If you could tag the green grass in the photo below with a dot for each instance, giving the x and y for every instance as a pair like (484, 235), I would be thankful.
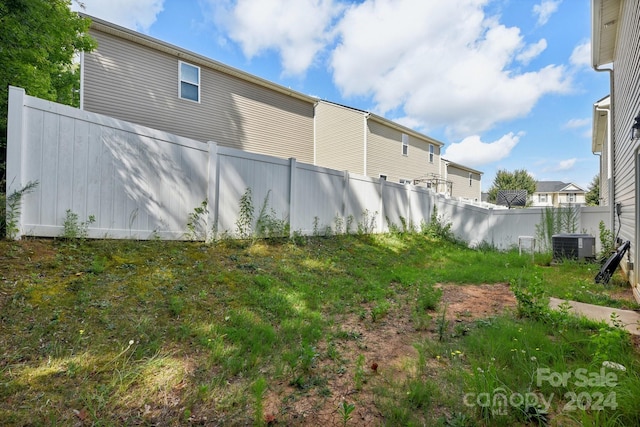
(124, 332)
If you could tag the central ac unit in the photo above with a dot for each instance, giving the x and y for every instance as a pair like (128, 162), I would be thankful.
(573, 246)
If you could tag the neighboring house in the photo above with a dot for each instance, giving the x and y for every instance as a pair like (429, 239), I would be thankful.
(557, 194)
(134, 77)
(601, 145)
(364, 143)
(143, 80)
(466, 183)
(615, 48)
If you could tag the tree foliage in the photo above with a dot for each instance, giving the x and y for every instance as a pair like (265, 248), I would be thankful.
(593, 193)
(519, 179)
(38, 42)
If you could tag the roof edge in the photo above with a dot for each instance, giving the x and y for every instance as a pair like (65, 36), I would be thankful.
(184, 54)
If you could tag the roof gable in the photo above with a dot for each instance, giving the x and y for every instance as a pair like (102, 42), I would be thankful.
(557, 187)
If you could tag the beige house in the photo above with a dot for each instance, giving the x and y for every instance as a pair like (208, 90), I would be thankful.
(367, 144)
(465, 182)
(143, 80)
(557, 194)
(615, 47)
(133, 77)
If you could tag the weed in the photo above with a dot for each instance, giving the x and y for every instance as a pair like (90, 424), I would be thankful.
(607, 241)
(531, 297)
(442, 324)
(9, 226)
(197, 223)
(438, 227)
(379, 310)
(244, 223)
(345, 409)
(367, 224)
(428, 297)
(73, 229)
(358, 376)
(258, 388)
(267, 223)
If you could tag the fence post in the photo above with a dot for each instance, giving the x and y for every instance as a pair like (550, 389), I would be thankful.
(213, 188)
(381, 226)
(293, 165)
(15, 140)
(346, 180)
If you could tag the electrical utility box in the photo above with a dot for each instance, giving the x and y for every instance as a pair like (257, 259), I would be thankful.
(573, 246)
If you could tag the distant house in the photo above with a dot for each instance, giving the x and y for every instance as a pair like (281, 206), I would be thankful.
(557, 194)
(466, 183)
(134, 77)
(615, 47)
(367, 144)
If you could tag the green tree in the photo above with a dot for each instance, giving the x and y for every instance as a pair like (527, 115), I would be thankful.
(38, 42)
(519, 179)
(593, 194)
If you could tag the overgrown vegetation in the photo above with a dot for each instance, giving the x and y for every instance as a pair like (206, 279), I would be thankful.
(556, 220)
(122, 332)
(10, 209)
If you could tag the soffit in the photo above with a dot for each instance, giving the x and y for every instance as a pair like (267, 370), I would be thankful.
(605, 16)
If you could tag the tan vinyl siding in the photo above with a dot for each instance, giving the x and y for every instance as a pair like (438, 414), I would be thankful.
(340, 137)
(626, 105)
(460, 179)
(384, 154)
(137, 83)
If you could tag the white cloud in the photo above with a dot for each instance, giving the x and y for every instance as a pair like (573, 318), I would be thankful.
(471, 151)
(577, 123)
(444, 64)
(581, 55)
(297, 30)
(562, 165)
(545, 9)
(137, 15)
(532, 51)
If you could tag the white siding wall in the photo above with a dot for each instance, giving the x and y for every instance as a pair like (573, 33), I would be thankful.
(626, 106)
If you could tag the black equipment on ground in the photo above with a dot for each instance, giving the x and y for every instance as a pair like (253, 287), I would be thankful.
(610, 265)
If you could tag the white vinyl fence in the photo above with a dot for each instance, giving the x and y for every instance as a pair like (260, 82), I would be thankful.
(142, 183)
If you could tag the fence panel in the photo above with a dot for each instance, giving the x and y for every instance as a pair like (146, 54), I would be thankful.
(142, 183)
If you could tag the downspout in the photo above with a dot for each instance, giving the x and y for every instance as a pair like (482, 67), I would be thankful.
(607, 111)
(610, 152)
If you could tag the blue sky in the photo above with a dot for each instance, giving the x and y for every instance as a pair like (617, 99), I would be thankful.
(504, 84)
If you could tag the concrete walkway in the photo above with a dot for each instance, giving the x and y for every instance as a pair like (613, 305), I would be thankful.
(629, 318)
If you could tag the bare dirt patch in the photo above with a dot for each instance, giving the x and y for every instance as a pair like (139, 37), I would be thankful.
(372, 353)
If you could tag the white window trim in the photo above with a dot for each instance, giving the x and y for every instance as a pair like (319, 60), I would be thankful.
(180, 80)
(405, 144)
(431, 153)
(470, 179)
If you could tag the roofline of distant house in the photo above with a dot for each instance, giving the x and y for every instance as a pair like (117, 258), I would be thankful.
(463, 167)
(186, 55)
(388, 122)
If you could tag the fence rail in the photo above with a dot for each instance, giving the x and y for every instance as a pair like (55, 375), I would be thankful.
(142, 183)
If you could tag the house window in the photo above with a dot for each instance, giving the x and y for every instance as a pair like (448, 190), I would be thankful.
(383, 177)
(405, 144)
(470, 179)
(189, 76)
(571, 197)
(542, 198)
(430, 153)
(404, 181)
